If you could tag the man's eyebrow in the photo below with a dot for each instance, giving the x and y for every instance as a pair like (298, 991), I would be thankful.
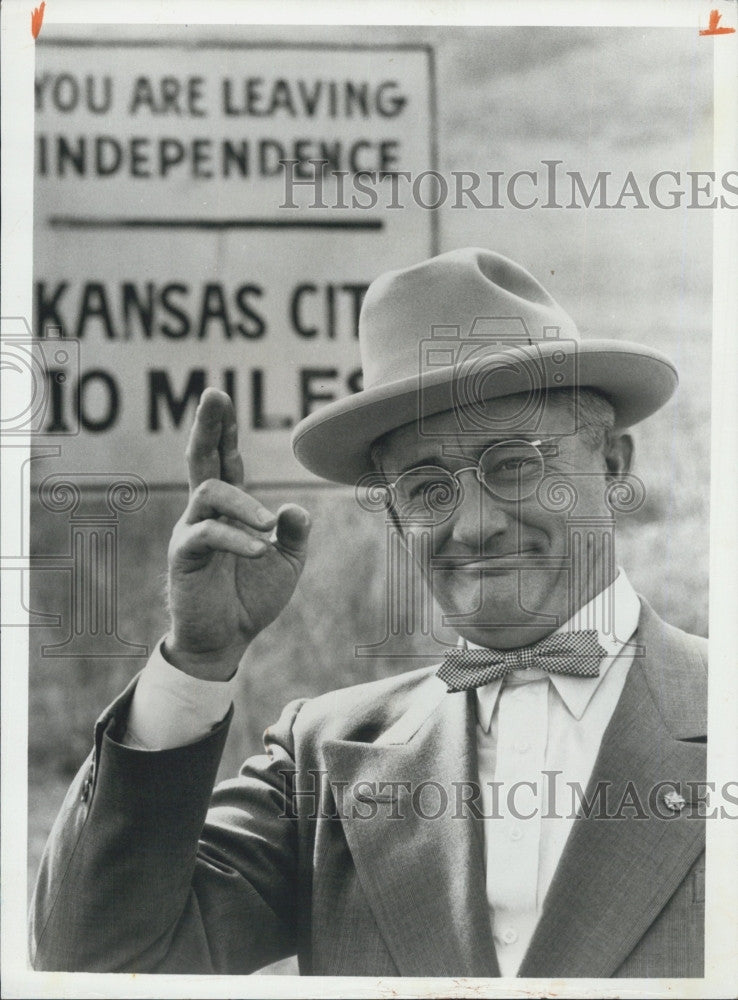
(478, 448)
(417, 464)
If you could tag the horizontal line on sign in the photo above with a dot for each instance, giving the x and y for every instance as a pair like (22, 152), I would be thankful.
(92, 222)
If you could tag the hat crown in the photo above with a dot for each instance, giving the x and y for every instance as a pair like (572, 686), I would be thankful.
(470, 296)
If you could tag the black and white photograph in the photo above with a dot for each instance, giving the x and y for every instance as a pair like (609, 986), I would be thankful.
(369, 473)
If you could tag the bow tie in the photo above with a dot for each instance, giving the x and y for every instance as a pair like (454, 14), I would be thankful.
(575, 653)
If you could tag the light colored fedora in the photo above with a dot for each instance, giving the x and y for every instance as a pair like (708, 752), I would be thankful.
(454, 332)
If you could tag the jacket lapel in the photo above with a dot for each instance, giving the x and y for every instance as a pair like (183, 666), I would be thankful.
(419, 857)
(617, 874)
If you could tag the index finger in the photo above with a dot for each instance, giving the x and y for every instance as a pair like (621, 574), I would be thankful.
(212, 449)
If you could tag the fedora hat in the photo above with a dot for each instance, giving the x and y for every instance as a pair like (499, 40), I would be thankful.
(456, 331)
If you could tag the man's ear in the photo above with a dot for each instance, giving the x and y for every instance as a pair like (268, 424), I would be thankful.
(619, 451)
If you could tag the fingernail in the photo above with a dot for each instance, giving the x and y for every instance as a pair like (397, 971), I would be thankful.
(264, 517)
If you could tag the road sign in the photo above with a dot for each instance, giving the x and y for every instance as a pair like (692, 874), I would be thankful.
(185, 235)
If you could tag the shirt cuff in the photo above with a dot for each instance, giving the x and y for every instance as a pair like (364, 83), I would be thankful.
(171, 709)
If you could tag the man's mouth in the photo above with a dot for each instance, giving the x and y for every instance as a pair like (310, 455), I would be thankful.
(500, 563)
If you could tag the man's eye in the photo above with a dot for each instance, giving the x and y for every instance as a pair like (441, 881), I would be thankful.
(423, 486)
(415, 490)
(513, 465)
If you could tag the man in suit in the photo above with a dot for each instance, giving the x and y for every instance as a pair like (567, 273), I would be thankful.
(529, 808)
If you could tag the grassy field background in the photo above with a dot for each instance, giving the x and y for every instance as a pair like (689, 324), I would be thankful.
(613, 100)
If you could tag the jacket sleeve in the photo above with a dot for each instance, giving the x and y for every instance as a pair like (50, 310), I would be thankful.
(148, 870)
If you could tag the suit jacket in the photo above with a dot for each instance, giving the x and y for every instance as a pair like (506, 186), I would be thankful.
(315, 847)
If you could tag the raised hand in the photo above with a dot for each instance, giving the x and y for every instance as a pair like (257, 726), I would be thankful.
(233, 564)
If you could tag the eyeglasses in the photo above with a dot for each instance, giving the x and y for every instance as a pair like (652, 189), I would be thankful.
(510, 470)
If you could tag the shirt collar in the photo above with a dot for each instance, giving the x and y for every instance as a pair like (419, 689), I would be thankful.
(614, 615)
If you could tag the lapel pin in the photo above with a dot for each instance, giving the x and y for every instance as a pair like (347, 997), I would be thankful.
(674, 801)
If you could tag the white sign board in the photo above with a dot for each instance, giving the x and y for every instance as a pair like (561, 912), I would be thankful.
(176, 248)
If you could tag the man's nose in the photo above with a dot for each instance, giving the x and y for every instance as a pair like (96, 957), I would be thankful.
(479, 516)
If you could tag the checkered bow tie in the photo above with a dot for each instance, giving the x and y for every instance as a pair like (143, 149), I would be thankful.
(575, 653)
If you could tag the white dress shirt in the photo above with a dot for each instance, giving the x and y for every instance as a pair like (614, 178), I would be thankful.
(529, 725)
(171, 709)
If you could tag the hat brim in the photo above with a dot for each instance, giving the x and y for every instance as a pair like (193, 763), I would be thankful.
(335, 441)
